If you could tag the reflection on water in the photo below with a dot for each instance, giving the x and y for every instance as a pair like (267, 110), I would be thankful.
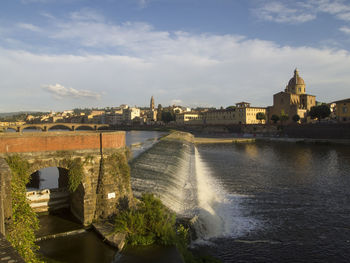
(299, 193)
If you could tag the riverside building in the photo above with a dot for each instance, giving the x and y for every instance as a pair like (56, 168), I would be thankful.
(293, 100)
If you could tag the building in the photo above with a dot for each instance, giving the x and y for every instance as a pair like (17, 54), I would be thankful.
(130, 113)
(189, 118)
(152, 114)
(293, 100)
(343, 110)
(243, 113)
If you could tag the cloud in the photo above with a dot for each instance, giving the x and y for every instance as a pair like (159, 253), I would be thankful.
(134, 61)
(29, 27)
(61, 92)
(297, 12)
(176, 102)
(281, 13)
(345, 30)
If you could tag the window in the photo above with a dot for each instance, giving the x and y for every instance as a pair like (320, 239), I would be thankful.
(299, 89)
(345, 109)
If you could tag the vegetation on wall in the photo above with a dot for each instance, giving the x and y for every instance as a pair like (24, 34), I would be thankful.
(117, 163)
(152, 223)
(24, 221)
(75, 172)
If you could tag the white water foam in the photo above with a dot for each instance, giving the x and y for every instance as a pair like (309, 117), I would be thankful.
(219, 213)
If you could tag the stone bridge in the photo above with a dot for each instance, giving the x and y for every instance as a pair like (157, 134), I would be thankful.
(103, 185)
(48, 126)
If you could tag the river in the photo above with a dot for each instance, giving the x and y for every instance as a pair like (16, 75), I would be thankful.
(291, 201)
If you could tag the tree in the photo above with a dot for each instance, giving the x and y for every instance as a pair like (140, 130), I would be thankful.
(275, 118)
(159, 112)
(296, 118)
(230, 107)
(284, 117)
(168, 116)
(260, 116)
(319, 112)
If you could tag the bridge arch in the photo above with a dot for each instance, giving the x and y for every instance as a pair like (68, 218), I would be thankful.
(60, 126)
(27, 128)
(84, 127)
(103, 127)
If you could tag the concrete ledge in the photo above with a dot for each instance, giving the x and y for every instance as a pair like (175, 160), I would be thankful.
(106, 230)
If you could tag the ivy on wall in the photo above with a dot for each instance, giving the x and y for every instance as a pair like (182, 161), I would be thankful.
(117, 163)
(24, 221)
(75, 172)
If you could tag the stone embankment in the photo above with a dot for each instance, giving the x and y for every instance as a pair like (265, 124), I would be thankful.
(7, 253)
(106, 230)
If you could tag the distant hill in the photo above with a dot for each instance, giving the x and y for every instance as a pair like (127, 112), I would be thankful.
(8, 114)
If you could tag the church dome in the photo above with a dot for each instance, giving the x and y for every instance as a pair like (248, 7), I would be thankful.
(296, 84)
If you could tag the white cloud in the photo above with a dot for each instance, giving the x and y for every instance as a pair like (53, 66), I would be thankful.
(296, 12)
(29, 27)
(281, 13)
(345, 30)
(61, 92)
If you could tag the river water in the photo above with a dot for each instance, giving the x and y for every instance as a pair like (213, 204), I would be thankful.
(291, 201)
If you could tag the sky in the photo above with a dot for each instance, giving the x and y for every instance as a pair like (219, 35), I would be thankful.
(64, 54)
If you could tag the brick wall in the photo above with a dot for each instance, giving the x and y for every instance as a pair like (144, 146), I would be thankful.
(65, 141)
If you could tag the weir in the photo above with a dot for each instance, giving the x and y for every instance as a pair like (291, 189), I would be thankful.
(174, 171)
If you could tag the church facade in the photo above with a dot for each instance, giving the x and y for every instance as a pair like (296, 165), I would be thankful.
(293, 100)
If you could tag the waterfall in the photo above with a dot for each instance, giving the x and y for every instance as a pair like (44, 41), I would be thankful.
(214, 207)
(177, 174)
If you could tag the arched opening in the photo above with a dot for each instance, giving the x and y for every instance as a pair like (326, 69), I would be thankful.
(10, 130)
(59, 128)
(32, 129)
(84, 128)
(47, 190)
(50, 198)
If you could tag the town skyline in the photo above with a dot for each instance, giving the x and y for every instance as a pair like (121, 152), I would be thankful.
(58, 55)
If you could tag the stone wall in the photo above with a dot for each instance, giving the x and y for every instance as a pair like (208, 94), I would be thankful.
(100, 191)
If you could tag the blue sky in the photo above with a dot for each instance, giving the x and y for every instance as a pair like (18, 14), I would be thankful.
(62, 54)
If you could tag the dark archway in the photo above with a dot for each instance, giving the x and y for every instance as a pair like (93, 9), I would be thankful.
(103, 128)
(84, 128)
(10, 130)
(48, 178)
(47, 190)
(32, 129)
(60, 128)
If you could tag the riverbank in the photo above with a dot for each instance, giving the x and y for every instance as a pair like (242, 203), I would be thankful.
(202, 140)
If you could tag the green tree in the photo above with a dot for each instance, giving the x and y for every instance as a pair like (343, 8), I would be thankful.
(275, 118)
(319, 112)
(296, 118)
(260, 116)
(230, 107)
(168, 116)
